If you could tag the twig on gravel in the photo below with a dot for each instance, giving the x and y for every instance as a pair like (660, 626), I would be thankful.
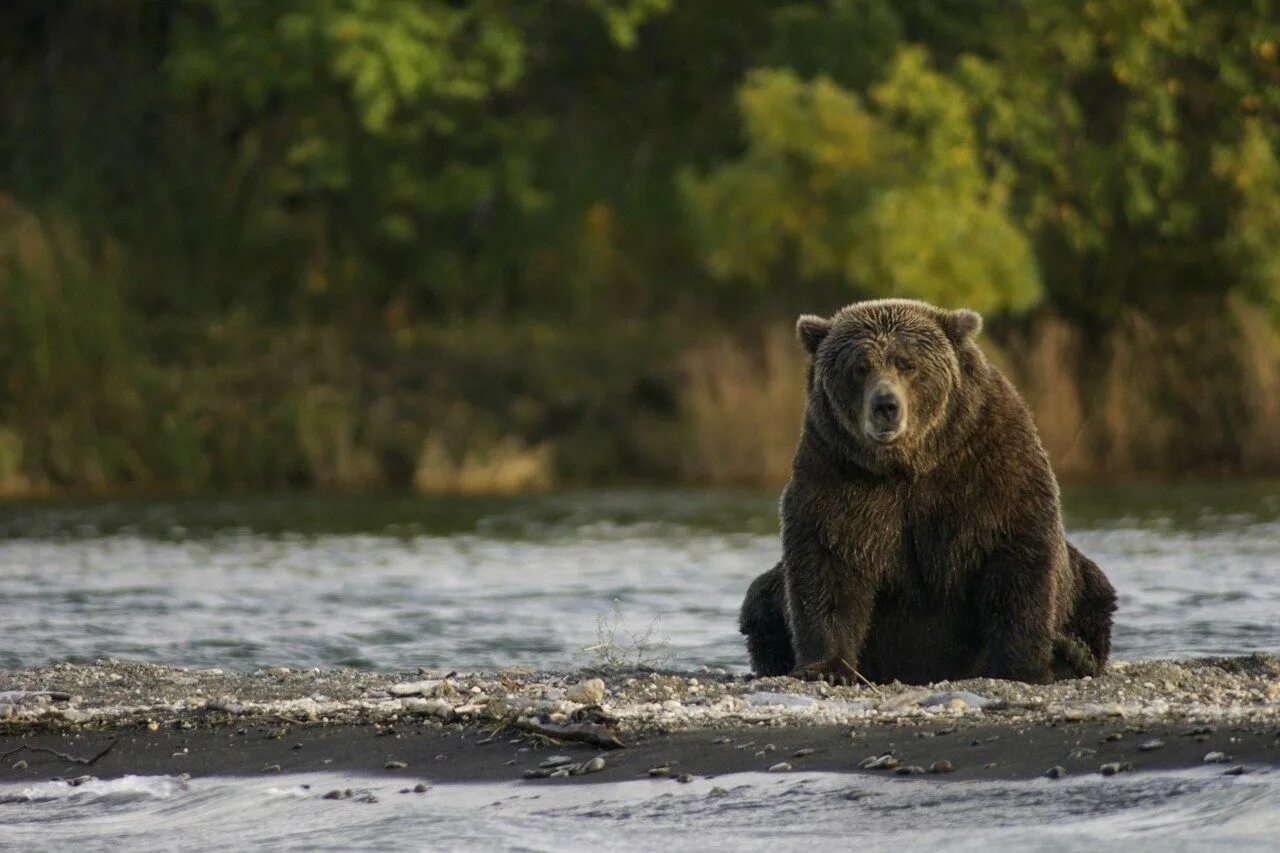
(862, 678)
(64, 756)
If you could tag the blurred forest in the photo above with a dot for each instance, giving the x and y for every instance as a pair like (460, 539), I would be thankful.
(500, 245)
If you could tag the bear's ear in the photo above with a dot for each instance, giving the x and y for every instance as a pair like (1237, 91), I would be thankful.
(961, 325)
(811, 329)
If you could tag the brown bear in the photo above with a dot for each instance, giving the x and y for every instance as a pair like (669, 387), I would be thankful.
(922, 531)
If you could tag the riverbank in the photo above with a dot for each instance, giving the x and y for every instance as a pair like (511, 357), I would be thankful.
(115, 718)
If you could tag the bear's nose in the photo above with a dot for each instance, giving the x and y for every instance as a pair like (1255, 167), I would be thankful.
(885, 407)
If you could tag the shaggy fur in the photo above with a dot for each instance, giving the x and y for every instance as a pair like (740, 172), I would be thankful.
(921, 529)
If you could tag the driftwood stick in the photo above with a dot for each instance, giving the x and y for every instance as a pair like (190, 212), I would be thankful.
(74, 759)
(862, 678)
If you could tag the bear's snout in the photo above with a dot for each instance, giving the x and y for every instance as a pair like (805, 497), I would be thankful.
(886, 412)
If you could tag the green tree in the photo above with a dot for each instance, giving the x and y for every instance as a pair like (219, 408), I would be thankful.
(889, 200)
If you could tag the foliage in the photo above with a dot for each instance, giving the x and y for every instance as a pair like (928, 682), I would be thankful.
(893, 202)
(192, 189)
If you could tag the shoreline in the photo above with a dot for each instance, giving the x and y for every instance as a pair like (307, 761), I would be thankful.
(413, 753)
(469, 727)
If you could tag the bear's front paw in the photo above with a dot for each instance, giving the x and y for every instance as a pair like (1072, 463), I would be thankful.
(835, 670)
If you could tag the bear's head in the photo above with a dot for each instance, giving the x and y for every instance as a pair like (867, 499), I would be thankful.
(889, 375)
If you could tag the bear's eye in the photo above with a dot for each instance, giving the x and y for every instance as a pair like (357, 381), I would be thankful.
(904, 364)
(861, 363)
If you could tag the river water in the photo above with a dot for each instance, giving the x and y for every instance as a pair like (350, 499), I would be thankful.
(398, 583)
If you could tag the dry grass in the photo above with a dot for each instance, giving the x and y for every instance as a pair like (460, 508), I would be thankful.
(504, 467)
(1200, 397)
(1042, 366)
(743, 408)
(1257, 349)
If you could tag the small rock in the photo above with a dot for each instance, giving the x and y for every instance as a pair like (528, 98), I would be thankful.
(957, 699)
(1114, 736)
(801, 753)
(685, 778)
(909, 770)
(595, 765)
(556, 761)
(718, 791)
(878, 762)
(1115, 767)
(562, 773)
(79, 780)
(722, 740)
(1082, 752)
(1148, 746)
(1216, 758)
(336, 794)
(271, 768)
(1238, 770)
(780, 767)
(589, 692)
(395, 765)
(20, 765)
(787, 700)
(420, 788)
(1056, 772)
(296, 746)
(661, 770)
(942, 766)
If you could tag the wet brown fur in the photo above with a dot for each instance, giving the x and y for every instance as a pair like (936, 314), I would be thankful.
(938, 556)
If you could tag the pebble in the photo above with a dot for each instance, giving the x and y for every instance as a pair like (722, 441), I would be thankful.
(1056, 772)
(878, 762)
(1115, 767)
(589, 692)
(787, 700)
(909, 770)
(395, 765)
(271, 768)
(595, 765)
(337, 794)
(942, 766)
(20, 765)
(1082, 752)
(1238, 770)
(780, 767)
(718, 791)
(420, 788)
(685, 778)
(1154, 743)
(801, 753)
(662, 770)
(1216, 758)
(556, 761)
(956, 699)
(1114, 736)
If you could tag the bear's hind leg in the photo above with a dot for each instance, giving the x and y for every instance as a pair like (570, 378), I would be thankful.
(764, 622)
(1090, 624)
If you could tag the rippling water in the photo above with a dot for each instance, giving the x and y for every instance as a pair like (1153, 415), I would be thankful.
(1154, 811)
(400, 583)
